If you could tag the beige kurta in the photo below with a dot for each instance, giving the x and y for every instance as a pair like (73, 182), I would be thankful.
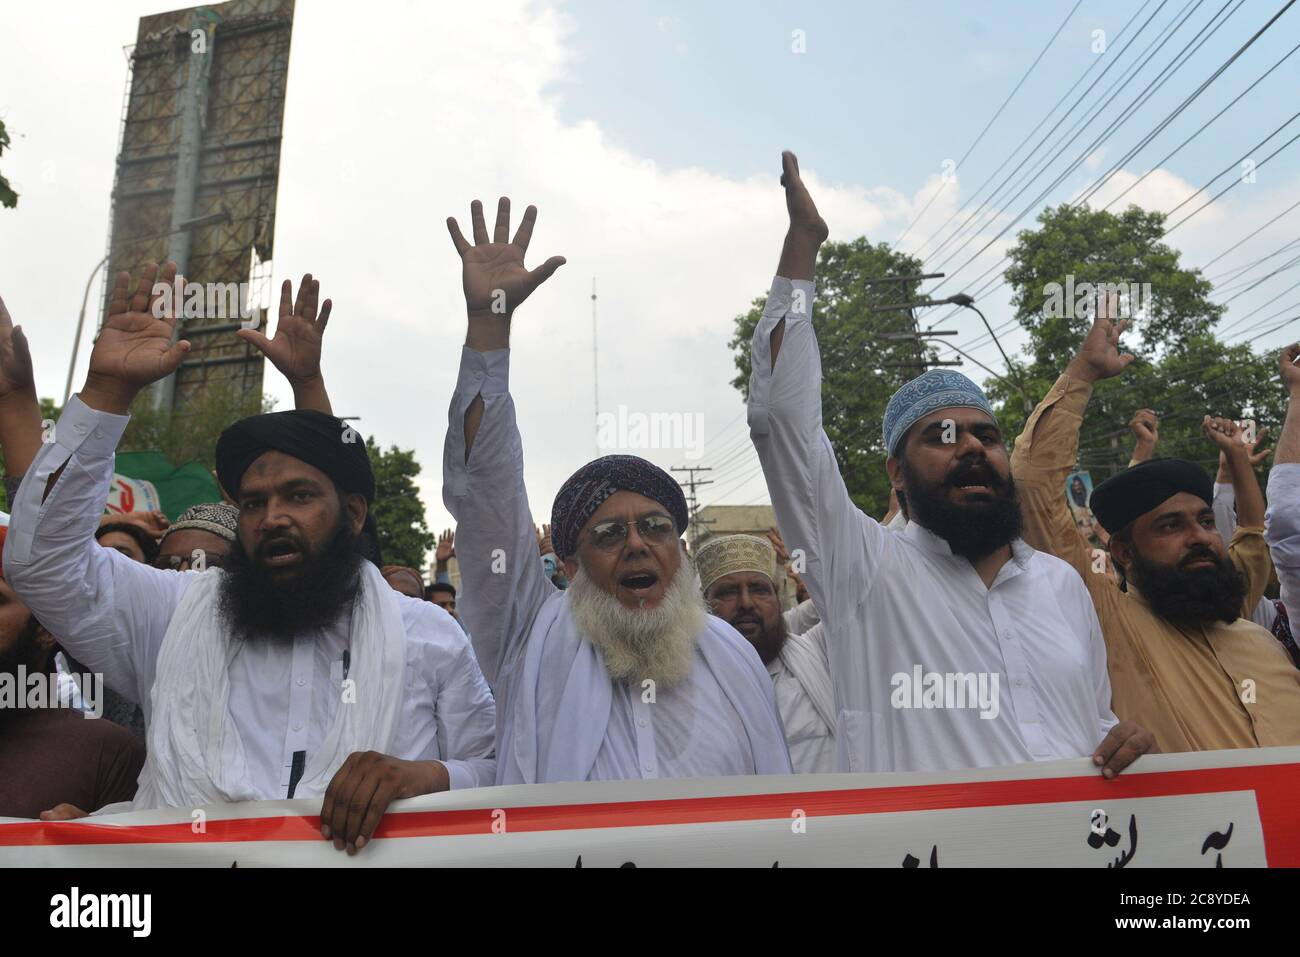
(1195, 688)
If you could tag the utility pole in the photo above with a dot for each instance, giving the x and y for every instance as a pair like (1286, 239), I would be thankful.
(692, 502)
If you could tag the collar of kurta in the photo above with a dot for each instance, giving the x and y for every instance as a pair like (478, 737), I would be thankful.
(932, 542)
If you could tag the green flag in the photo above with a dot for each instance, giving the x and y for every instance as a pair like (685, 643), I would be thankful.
(178, 487)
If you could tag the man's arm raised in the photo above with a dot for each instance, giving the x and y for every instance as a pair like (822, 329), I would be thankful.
(295, 349)
(107, 610)
(20, 410)
(1047, 449)
(502, 583)
(1282, 525)
(827, 534)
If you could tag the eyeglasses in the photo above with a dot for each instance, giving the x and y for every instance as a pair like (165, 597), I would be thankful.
(180, 563)
(654, 529)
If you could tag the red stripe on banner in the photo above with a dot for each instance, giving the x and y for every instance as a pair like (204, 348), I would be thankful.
(1275, 787)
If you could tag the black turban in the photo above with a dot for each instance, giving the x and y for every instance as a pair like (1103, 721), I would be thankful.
(1122, 498)
(318, 439)
(596, 481)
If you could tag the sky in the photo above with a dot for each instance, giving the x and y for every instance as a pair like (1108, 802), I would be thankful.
(649, 137)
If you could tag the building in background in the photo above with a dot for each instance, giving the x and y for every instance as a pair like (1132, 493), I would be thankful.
(197, 171)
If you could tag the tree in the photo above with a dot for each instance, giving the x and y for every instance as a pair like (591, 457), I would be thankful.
(860, 368)
(190, 434)
(404, 538)
(7, 196)
(1183, 371)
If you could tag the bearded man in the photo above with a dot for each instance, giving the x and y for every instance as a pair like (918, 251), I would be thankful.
(291, 671)
(952, 643)
(1185, 659)
(625, 674)
(738, 577)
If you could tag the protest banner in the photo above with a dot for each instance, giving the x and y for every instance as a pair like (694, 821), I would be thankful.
(1208, 809)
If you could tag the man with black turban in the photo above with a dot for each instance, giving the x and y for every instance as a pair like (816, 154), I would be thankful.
(1185, 659)
(293, 670)
(625, 674)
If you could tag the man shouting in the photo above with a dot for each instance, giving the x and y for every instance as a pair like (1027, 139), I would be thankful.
(293, 670)
(625, 674)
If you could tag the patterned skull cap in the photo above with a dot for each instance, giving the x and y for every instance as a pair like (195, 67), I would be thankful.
(219, 518)
(588, 488)
(932, 390)
(725, 554)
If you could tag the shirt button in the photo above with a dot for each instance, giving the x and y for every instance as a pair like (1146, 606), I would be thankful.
(649, 768)
(1019, 683)
(301, 682)
(641, 722)
(297, 727)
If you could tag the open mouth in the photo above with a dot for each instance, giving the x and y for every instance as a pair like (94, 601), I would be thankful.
(639, 582)
(281, 554)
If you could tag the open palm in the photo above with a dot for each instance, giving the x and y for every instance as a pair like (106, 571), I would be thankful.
(134, 348)
(296, 346)
(492, 271)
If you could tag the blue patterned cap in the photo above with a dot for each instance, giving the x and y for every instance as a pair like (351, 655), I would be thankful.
(929, 392)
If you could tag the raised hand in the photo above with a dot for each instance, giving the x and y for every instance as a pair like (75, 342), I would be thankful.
(1253, 450)
(16, 378)
(544, 540)
(807, 229)
(1225, 434)
(134, 347)
(782, 555)
(1099, 356)
(492, 271)
(446, 548)
(1289, 365)
(296, 346)
(1145, 426)
(799, 202)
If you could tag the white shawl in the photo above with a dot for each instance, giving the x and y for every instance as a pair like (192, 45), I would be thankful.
(196, 756)
(537, 747)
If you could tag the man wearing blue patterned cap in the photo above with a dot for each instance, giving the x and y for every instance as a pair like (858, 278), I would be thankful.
(625, 674)
(952, 644)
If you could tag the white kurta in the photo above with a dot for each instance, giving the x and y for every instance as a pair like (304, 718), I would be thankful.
(111, 613)
(809, 736)
(1225, 520)
(559, 715)
(895, 602)
(1282, 532)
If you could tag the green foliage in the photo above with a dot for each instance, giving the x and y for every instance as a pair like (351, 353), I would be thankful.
(404, 537)
(856, 381)
(191, 434)
(8, 197)
(1182, 371)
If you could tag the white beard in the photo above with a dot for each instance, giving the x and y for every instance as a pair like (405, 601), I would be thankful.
(656, 643)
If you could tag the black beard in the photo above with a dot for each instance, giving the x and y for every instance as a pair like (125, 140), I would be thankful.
(1196, 596)
(257, 603)
(769, 641)
(971, 531)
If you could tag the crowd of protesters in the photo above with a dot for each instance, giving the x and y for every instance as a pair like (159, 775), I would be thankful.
(259, 648)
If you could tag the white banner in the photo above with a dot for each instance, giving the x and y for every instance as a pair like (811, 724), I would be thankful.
(1208, 809)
